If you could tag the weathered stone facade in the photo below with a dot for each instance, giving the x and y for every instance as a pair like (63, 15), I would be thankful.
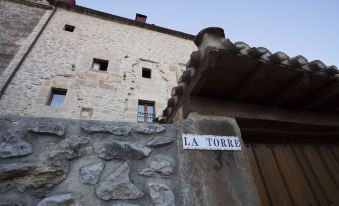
(18, 26)
(63, 59)
(69, 169)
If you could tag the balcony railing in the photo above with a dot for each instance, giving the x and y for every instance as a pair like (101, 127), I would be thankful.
(145, 117)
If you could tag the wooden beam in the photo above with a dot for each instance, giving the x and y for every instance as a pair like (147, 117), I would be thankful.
(209, 60)
(250, 81)
(253, 130)
(177, 91)
(284, 129)
(209, 106)
(282, 95)
(323, 95)
(171, 102)
(287, 133)
(185, 77)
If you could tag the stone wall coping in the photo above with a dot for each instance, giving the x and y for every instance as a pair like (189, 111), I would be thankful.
(122, 20)
(33, 4)
(66, 121)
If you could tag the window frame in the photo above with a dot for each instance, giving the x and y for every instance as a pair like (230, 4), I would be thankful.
(69, 28)
(148, 118)
(100, 62)
(56, 91)
(145, 69)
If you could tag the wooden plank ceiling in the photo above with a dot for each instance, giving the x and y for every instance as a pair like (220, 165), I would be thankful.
(246, 79)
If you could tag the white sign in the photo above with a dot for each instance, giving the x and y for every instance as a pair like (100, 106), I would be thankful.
(210, 142)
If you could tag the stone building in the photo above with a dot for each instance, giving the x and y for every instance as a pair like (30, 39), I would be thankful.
(99, 65)
(240, 125)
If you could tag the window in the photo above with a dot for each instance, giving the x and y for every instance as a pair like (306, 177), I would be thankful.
(69, 28)
(57, 97)
(145, 111)
(99, 64)
(146, 73)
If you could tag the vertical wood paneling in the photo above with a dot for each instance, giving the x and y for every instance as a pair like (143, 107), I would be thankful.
(309, 174)
(335, 151)
(258, 178)
(329, 161)
(322, 174)
(270, 171)
(296, 174)
(295, 179)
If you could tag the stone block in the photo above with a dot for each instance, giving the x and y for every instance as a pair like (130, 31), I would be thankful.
(72, 147)
(90, 174)
(12, 145)
(161, 195)
(117, 186)
(150, 129)
(48, 129)
(159, 141)
(34, 177)
(104, 128)
(122, 150)
(157, 168)
(59, 200)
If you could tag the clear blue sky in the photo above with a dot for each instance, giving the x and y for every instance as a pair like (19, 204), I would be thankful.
(306, 27)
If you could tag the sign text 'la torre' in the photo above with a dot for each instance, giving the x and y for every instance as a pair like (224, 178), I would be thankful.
(210, 142)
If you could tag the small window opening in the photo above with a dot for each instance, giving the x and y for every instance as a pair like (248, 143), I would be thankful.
(146, 112)
(69, 28)
(100, 64)
(146, 73)
(57, 97)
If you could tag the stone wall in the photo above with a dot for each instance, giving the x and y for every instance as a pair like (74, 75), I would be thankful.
(46, 161)
(39, 1)
(19, 25)
(214, 177)
(63, 60)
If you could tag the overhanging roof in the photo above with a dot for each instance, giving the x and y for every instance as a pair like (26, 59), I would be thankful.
(221, 69)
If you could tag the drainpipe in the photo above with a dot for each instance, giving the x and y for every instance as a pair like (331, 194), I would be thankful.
(8, 81)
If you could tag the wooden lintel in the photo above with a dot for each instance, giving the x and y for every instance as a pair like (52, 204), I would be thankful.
(235, 109)
(287, 133)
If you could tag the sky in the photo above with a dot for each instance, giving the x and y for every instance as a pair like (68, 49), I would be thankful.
(295, 27)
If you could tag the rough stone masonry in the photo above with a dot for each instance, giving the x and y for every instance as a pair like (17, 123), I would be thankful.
(46, 161)
(67, 162)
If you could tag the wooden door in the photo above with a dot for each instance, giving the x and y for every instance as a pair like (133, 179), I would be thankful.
(295, 173)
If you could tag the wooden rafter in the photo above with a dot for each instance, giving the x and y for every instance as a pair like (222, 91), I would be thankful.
(325, 94)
